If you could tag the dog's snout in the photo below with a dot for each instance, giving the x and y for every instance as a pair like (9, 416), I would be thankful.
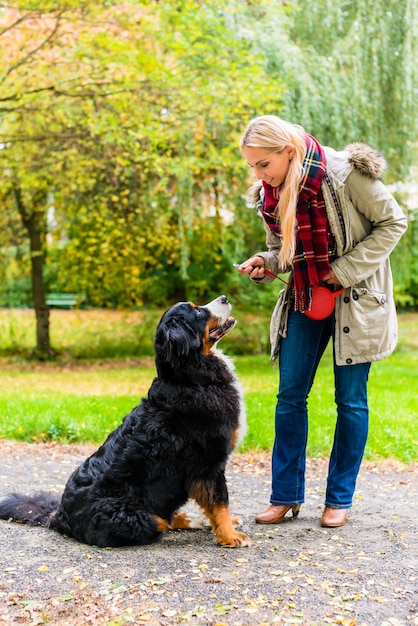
(220, 308)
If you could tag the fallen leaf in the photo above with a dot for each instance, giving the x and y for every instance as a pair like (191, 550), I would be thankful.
(221, 609)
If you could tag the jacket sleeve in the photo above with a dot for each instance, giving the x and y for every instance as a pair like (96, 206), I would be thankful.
(376, 225)
(271, 261)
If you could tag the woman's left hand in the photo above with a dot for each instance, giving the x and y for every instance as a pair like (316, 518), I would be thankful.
(331, 278)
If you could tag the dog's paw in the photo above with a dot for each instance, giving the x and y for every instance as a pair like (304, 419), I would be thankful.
(236, 540)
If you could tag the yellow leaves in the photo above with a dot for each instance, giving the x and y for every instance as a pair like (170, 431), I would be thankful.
(159, 581)
(144, 617)
(43, 568)
(328, 587)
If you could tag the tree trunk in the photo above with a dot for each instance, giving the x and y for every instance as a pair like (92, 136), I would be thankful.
(32, 219)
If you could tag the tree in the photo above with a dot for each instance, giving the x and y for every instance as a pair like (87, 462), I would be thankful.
(349, 70)
(151, 144)
(123, 119)
(58, 67)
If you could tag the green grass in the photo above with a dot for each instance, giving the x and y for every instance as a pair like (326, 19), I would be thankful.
(71, 404)
(393, 406)
(83, 402)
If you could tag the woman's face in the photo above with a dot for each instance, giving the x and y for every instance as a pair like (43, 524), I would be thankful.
(271, 167)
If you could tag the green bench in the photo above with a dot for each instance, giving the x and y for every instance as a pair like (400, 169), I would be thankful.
(63, 300)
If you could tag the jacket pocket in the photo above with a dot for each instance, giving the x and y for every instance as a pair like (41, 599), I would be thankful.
(369, 330)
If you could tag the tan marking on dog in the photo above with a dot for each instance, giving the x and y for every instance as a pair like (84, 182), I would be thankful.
(162, 524)
(223, 527)
(234, 438)
(202, 492)
(180, 522)
(207, 342)
(219, 517)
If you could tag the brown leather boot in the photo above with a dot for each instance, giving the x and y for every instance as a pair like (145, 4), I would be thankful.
(332, 518)
(275, 514)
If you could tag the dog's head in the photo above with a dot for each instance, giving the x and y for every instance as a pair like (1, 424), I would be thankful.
(186, 329)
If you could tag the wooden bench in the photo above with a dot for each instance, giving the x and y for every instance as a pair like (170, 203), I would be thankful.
(63, 300)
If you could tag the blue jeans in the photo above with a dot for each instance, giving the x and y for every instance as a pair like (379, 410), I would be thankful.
(300, 353)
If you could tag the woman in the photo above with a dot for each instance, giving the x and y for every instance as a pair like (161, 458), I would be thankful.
(330, 221)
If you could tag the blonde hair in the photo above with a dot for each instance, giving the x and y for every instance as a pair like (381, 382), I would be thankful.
(274, 134)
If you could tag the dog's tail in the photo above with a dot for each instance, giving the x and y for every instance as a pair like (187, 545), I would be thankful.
(37, 510)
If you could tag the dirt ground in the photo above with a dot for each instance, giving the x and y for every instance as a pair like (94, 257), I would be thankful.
(363, 574)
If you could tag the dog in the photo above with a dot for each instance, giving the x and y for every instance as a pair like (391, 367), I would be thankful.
(174, 446)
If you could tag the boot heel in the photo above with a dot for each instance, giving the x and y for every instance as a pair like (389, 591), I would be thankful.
(276, 514)
(296, 509)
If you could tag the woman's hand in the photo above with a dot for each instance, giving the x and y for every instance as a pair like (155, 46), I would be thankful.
(331, 278)
(253, 267)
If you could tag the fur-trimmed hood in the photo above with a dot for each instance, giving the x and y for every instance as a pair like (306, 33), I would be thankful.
(366, 159)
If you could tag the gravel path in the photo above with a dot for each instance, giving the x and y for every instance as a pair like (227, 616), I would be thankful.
(364, 574)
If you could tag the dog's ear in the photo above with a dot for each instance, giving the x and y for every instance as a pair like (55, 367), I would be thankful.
(174, 341)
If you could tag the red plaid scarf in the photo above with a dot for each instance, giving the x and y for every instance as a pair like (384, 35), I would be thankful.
(314, 239)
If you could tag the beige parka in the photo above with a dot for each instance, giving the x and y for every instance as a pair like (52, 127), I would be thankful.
(366, 327)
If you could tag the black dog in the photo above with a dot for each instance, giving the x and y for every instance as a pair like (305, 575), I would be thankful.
(172, 447)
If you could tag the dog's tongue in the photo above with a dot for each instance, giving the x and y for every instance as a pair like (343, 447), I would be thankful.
(218, 332)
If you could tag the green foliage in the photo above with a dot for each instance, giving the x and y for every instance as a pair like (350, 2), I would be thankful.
(120, 125)
(404, 259)
(350, 72)
(59, 431)
(15, 280)
(98, 334)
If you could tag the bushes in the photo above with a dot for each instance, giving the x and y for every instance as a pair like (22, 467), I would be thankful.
(15, 279)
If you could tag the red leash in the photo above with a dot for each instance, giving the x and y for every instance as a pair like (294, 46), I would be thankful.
(237, 265)
(322, 301)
